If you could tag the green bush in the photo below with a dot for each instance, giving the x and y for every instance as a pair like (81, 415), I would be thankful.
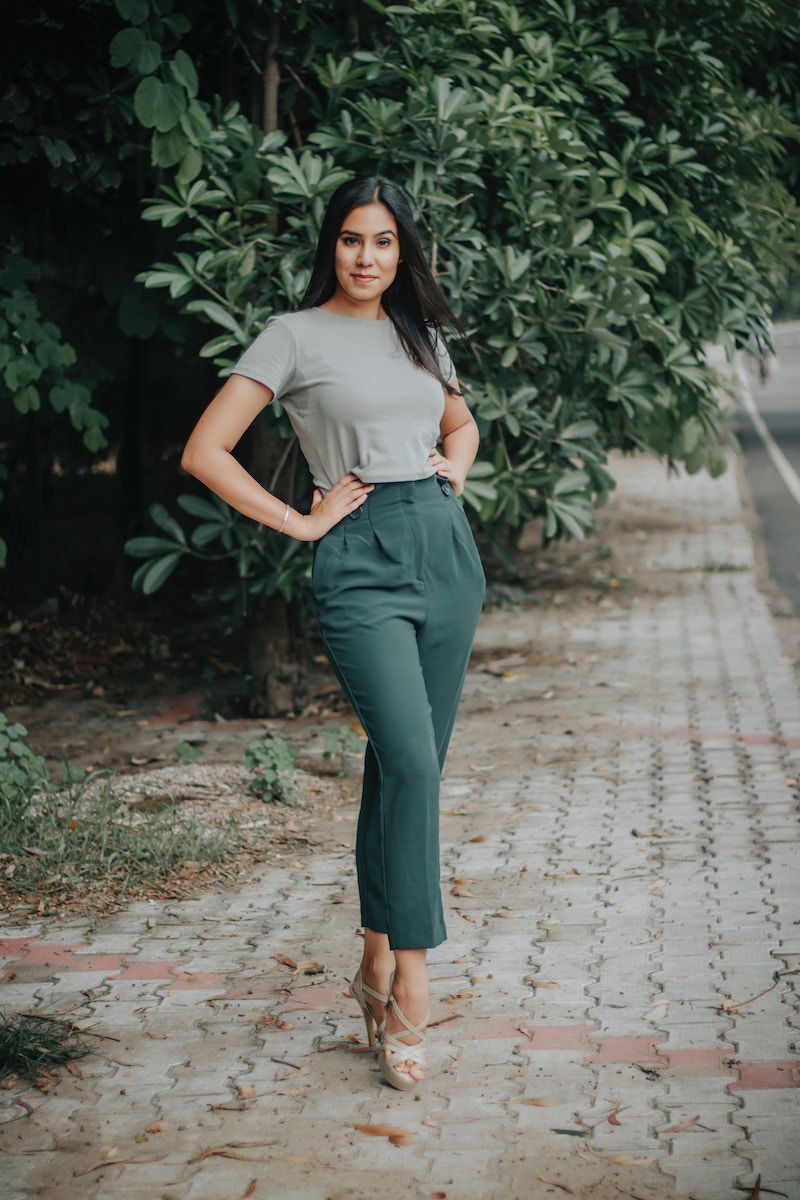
(271, 762)
(598, 189)
(22, 772)
(259, 565)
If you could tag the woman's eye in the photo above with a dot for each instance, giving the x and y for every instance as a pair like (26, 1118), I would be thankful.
(348, 239)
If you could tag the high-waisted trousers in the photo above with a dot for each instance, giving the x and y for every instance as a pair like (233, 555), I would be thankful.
(398, 589)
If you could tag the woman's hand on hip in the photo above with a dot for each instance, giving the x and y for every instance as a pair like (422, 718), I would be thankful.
(345, 496)
(447, 468)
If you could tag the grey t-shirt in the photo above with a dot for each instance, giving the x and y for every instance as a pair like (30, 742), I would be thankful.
(354, 398)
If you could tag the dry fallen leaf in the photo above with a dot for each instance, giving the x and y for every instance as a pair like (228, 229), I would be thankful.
(157, 1127)
(544, 983)
(555, 1183)
(693, 1122)
(609, 1115)
(539, 1101)
(731, 1007)
(109, 1162)
(250, 1189)
(459, 890)
(228, 1151)
(396, 1135)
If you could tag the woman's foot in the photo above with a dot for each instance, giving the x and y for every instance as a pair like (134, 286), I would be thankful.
(411, 995)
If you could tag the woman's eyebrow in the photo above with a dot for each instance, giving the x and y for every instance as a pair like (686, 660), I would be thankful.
(354, 234)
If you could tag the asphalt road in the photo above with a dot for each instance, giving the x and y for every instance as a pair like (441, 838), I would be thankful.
(771, 446)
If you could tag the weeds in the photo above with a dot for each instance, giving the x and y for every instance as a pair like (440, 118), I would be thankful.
(188, 752)
(271, 761)
(78, 835)
(343, 742)
(31, 1045)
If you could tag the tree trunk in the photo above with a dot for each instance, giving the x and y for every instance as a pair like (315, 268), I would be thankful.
(277, 680)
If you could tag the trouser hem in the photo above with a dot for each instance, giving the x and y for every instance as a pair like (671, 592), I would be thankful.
(412, 942)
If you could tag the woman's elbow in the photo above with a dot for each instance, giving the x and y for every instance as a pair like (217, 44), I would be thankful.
(191, 459)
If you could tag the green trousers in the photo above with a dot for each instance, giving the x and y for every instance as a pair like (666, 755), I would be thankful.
(398, 590)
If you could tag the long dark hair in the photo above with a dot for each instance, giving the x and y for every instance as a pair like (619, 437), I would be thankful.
(413, 301)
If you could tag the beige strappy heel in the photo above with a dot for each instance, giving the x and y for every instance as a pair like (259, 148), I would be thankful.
(357, 989)
(392, 1048)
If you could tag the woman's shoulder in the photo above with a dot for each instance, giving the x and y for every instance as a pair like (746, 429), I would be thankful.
(294, 324)
(294, 318)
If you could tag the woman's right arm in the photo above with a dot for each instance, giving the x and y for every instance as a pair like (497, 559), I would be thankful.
(207, 455)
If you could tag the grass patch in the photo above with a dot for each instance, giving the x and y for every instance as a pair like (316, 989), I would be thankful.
(30, 1047)
(78, 836)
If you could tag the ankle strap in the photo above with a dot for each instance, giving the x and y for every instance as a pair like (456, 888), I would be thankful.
(401, 1015)
(365, 987)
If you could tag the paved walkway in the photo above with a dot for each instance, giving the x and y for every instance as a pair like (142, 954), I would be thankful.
(620, 847)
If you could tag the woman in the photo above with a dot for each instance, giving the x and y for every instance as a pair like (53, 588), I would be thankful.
(398, 584)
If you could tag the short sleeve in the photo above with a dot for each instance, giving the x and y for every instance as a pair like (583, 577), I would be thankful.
(270, 359)
(445, 361)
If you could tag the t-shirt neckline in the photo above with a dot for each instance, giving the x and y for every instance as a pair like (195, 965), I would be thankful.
(347, 317)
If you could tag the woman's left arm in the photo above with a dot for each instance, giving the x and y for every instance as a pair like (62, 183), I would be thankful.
(460, 441)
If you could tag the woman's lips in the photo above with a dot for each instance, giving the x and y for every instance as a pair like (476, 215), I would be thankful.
(365, 278)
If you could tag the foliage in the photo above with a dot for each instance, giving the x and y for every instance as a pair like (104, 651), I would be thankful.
(34, 359)
(602, 190)
(598, 195)
(261, 564)
(77, 835)
(787, 307)
(21, 771)
(271, 763)
(188, 752)
(343, 743)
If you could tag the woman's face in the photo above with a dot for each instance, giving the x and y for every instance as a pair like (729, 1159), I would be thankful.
(367, 252)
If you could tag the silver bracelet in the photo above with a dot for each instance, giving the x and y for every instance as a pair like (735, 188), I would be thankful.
(285, 518)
